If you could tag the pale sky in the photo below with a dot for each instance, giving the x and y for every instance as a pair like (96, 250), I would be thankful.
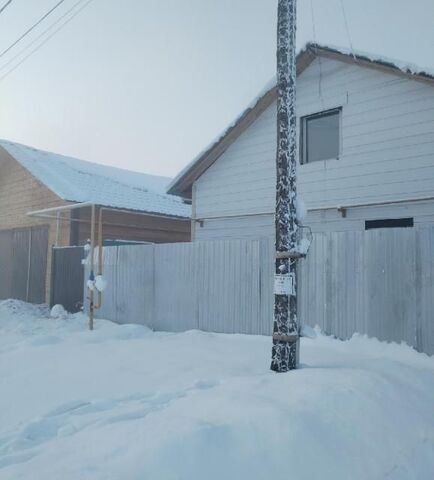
(147, 84)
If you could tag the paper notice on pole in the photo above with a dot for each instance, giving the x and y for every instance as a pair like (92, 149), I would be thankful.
(284, 284)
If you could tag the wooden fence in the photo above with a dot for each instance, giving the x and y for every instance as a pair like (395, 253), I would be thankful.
(378, 282)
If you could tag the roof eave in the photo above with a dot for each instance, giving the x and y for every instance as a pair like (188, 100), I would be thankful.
(182, 184)
(372, 63)
(133, 211)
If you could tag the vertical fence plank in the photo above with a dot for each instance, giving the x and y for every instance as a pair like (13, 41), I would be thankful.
(23, 263)
(391, 263)
(38, 264)
(175, 287)
(350, 282)
(67, 278)
(20, 256)
(6, 264)
(425, 319)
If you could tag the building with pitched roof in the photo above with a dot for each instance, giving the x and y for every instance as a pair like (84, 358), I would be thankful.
(136, 209)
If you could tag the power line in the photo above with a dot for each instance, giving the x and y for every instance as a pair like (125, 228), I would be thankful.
(5, 5)
(347, 28)
(45, 41)
(315, 41)
(2, 67)
(31, 28)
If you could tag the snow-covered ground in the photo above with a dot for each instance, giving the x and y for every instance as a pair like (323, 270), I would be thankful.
(125, 403)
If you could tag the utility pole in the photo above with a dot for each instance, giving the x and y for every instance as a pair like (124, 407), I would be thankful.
(285, 352)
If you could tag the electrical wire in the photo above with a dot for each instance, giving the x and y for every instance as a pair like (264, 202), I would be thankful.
(45, 41)
(5, 5)
(347, 29)
(2, 67)
(32, 28)
(315, 41)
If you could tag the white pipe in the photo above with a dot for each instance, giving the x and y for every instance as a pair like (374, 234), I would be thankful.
(59, 209)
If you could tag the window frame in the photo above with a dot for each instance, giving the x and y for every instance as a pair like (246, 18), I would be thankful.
(303, 134)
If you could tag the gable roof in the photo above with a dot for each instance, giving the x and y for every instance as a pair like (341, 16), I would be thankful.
(181, 185)
(80, 181)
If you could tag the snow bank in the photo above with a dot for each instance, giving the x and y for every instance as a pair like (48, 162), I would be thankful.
(125, 403)
(58, 312)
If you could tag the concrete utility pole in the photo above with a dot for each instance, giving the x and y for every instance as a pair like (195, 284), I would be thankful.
(285, 351)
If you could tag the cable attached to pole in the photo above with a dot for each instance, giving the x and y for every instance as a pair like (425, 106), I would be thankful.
(315, 41)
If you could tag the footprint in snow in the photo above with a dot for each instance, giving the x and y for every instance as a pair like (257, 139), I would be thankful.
(73, 417)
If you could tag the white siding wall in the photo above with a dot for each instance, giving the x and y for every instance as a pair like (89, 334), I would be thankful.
(387, 154)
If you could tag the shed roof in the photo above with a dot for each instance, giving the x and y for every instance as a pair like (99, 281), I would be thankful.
(80, 181)
(182, 183)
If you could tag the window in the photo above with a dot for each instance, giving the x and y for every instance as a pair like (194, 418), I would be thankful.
(389, 223)
(320, 136)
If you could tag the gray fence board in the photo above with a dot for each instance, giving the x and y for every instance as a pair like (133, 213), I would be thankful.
(6, 263)
(175, 287)
(67, 278)
(391, 303)
(214, 286)
(21, 257)
(23, 263)
(379, 283)
(425, 300)
(38, 265)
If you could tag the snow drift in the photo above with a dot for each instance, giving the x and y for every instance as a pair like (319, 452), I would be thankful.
(123, 402)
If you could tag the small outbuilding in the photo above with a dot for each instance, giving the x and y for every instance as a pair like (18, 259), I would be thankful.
(136, 209)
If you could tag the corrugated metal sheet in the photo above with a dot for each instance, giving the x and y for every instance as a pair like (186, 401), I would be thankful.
(23, 263)
(21, 254)
(67, 278)
(213, 286)
(38, 265)
(425, 291)
(175, 288)
(6, 263)
(379, 283)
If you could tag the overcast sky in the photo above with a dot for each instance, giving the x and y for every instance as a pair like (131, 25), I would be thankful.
(146, 84)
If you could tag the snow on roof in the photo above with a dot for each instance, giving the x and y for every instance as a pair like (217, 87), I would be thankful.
(404, 67)
(267, 87)
(80, 181)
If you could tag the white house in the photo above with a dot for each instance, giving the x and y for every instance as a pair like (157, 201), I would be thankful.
(366, 152)
(366, 176)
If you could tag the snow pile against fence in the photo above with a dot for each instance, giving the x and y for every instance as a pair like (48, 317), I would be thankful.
(125, 403)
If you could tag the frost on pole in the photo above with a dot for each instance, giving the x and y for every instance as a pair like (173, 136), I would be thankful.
(285, 330)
